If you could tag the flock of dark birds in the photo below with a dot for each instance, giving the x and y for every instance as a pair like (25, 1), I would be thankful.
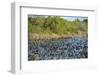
(72, 48)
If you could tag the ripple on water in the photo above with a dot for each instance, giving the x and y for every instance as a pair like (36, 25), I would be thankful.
(73, 48)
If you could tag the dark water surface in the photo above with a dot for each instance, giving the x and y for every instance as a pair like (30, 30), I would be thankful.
(71, 48)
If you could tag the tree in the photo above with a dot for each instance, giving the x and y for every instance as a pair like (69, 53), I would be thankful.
(38, 20)
(85, 20)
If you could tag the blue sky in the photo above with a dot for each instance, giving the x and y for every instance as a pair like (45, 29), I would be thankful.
(72, 18)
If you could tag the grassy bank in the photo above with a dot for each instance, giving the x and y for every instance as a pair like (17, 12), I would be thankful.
(34, 36)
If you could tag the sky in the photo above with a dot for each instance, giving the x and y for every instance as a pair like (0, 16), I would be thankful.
(69, 18)
(72, 18)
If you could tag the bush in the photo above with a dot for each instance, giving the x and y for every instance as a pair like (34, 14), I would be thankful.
(55, 24)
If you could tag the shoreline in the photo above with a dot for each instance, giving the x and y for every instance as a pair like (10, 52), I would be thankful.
(53, 36)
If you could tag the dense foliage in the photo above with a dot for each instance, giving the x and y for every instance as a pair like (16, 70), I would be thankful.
(56, 24)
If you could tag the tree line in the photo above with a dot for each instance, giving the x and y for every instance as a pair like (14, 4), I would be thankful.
(56, 24)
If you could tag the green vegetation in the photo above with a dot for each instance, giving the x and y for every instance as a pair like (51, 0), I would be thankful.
(56, 26)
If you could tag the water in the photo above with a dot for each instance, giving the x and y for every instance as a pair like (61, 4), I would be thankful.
(72, 48)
